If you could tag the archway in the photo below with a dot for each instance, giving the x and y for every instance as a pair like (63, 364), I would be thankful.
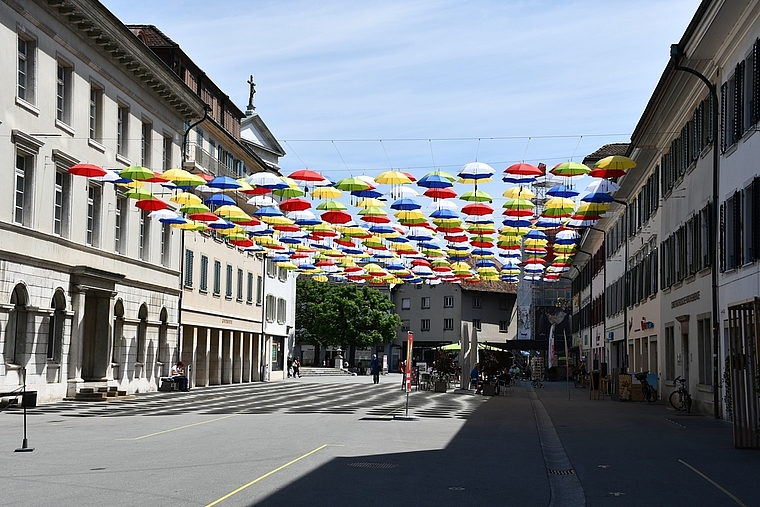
(16, 335)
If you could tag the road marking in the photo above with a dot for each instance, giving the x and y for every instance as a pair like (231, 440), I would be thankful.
(180, 428)
(241, 488)
(394, 410)
(728, 493)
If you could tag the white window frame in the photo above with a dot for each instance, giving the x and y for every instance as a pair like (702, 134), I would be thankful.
(122, 130)
(146, 143)
(94, 205)
(26, 68)
(96, 113)
(64, 73)
(448, 301)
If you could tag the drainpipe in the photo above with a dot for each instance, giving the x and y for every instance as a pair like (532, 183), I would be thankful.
(676, 53)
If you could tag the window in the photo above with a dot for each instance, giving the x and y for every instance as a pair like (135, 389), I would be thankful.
(448, 324)
(217, 278)
(748, 222)
(271, 309)
(55, 328)
(62, 203)
(704, 351)
(249, 292)
(96, 113)
(476, 324)
(94, 193)
(271, 268)
(475, 302)
(405, 324)
(503, 326)
(63, 93)
(282, 274)
(166, 244)
(122, 130)
(26, 68)
(189, 268)
(144, 235)
(281, 309)
(425, 302)
(448, 301)
(120, 236)
(425, 325)
(228, 285)
(259, 290)
(406, 304)
(167, 152)
(146, 143)
(204, 274)
(22, 205)
(670, 354)
(239, 284)
(199, 137)
(239, 168)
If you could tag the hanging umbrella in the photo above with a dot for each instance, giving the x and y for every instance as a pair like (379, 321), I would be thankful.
(597, 197)
(285, 193)
(152, 204)
(518, 193)
(268, 211)
(266, 179)
(558, 207)
(352, 184)
(545, 223)
(518, 180)
(476, 171)
(136, 172)
(600, 185)
(233, 213)
(566, 237)
(262, 200)
(476, 196)
(523, 169)
(306, 175)
(405, 204)
(440, 193)
(224, 183)
(87, 170)
(219, 200)
(326, 192)
(570, 169)
(561, 191)
(478, 209)
(392, 178)
(370, 202)
(295, 204)
(331, 205)
(336, 216)
(402, 191)
(183, 198)
(369, 193)
(615, 162)
(434, 180)
(444, 214)
(138, 193)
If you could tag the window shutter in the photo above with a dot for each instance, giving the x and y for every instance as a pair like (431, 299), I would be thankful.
(738, 230)
(723, 95)
(722, 237)
(755, 106)
(739, 101)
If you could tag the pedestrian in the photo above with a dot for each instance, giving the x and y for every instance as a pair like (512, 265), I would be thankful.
(290, 366)
(374, 368)
(402, 367)
(476, 378)
(296, 368)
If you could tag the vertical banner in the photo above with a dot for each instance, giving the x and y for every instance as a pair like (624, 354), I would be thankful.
(408, 369)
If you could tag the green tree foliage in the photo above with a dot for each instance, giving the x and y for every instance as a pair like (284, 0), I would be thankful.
(329, 314)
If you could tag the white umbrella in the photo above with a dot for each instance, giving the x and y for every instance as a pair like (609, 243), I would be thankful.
(109, 177)
(445, 204)
(262, 200)
(301, 215)
(163, 213)
(368, 179)
(264, 179)
(207, 189)
(401, 191)
(602, 186)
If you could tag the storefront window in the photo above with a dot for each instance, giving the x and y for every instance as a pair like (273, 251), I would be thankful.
(278, 354)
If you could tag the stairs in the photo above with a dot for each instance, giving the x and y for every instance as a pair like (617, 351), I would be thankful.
(311, 371)
(104, 393)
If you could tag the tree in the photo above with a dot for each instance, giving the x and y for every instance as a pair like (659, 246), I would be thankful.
(332, 314)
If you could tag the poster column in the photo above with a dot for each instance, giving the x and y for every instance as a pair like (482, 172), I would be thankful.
(408, 369)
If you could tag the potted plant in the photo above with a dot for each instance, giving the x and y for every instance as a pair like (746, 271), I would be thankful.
(489, 366)
(444, 366)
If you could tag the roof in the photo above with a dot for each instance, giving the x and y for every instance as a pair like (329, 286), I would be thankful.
(500, 287)
(152, 36)
(606, 151)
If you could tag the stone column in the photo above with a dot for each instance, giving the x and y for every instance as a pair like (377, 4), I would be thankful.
(247, 356)
(226, 365)
(74, 376)
(237, 357)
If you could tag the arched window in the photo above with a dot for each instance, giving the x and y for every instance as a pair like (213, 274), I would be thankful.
(17, 325)
(163, 346)
(55, 329)
(142, 333)
(118, 331)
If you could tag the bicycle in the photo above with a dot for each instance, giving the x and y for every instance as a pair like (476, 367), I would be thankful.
(680, 399)
(647, 389)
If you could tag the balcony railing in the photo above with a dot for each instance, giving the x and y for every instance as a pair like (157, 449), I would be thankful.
(198, 157)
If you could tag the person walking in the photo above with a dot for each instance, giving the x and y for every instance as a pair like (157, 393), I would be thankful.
(402, 367)
(290, 366)
(374, 368)
(296, 368)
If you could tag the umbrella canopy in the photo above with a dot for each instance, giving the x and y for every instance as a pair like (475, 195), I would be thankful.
(136, 172)
(402, 191)
(597, 197)
(519, 192)
(152, 204)
(561, 191)
(600, 185)
(476, 196)
(392, 178)
(295, 204)
(405, 203)
(476, 171)
(331, 205)
(440, 193)
(266, 179)
(336, 216)
(306, 175)
(477, 208)
(352, 184)
(87, 170)
(219, 200)
(523, 169)
(326, 192)
(183, 198)
(570, 169)
(224, 183)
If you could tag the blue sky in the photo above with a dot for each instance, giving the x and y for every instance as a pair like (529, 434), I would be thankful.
(441, 83)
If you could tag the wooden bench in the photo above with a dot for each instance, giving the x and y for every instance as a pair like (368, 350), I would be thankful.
(168, 384)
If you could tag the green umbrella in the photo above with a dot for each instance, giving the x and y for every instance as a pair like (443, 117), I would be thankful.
(136, 172)
(476, 196)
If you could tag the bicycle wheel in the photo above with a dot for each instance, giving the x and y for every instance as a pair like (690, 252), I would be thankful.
(650, 394)
(677, 401)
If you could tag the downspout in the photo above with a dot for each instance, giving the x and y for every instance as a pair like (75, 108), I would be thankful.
(676, 53)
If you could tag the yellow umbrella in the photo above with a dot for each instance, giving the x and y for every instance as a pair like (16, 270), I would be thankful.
(184, 198)
(132, 184)
(518, 193)
(370, 202)
(232, 213)
(393, 178)
(326, 193)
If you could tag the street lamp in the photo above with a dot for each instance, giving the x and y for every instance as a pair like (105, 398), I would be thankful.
(676, 53)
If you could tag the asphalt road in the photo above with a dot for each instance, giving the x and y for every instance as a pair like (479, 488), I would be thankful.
(335, 441)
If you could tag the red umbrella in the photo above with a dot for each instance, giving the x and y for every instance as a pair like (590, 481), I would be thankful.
(306, 175)
(379, 219)
(157, 178)
(345, 242)
(258, 191)
(286, 228)
(478, 209)
(336, 217)
(606, 173)
(295, 204)
(440, 193)
(482, 244)
(253, 222)
(408, 175)
(204, 217)
(244, 243)
(518, 212)
(151, 204)
(421, 262)
(206, 177)
(87, 170)
(523, 169)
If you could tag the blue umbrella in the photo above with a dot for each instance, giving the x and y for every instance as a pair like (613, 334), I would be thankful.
(221, 224)
(518, 179)
(220, 199)
(369, 193)
(548, 223)
(516, 222)
(597, 197)
(562, 191)
(290, 240)
(534, 234)
(223, 182)
(308, 221)
(264, 232)
(434, 181)
(382, 229)
(481, 251)
(429, 245)
(268, 211)
(397, 239)
(443, 213)
(485, 263)
(405, 204)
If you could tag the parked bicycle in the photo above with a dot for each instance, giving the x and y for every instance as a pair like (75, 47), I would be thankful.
(647, 389)
(680, 399)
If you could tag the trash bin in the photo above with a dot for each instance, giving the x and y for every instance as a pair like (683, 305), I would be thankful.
(29, 399)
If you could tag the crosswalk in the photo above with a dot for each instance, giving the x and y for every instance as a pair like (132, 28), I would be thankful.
(362, 400)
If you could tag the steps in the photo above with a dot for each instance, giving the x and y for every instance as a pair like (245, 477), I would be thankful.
(310, 371)
(98, 394)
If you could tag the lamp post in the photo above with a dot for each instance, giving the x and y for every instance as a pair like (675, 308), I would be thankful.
(676, 53)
